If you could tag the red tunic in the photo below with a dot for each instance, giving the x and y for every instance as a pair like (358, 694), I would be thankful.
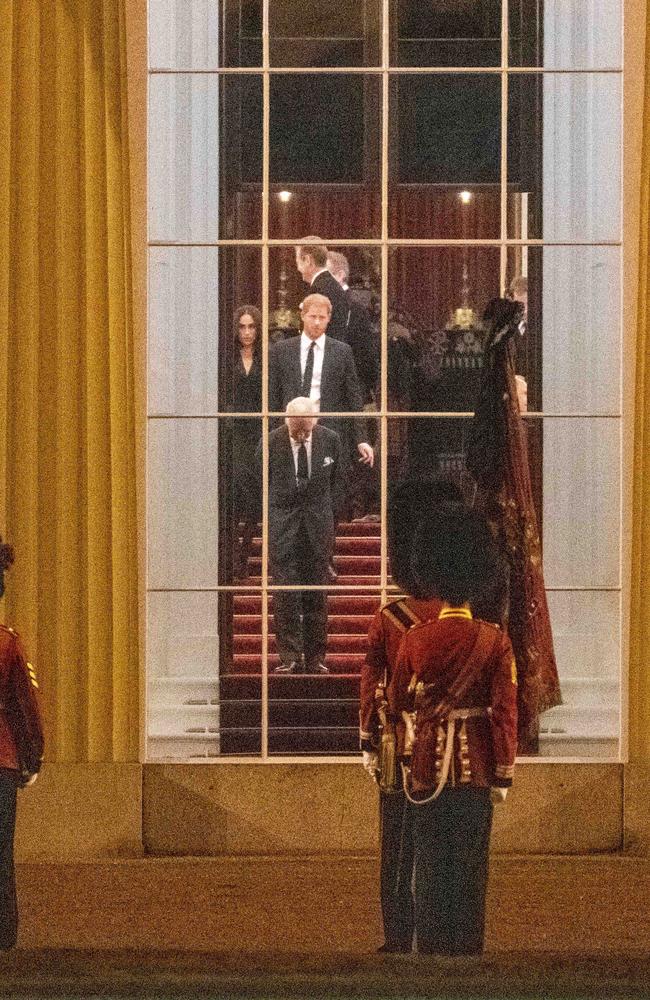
(21, 730)
(435, 652)
(389, 626)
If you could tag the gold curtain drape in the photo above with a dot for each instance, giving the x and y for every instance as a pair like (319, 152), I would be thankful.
(640, 591)
(67, 463)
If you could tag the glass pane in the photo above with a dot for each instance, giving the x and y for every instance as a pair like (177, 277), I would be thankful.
(240, 500)
(196, 194)
(325, 156)
(241, 32)
(318, 713)
(564, 151)
(581, 502)
(437, 296)
(583, 34)
(183, 320)
(571, 351)
(349, 277)
(191, 710)
(183, 34)
(587, 640)
(183, 158)
(453, 33)
(183, 520)
(330, 33)
(196, 298)
(241, 682)
(445, 156)
(431, 211)
(429, 448)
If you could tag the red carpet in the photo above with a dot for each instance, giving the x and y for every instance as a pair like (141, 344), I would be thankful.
(307, 714)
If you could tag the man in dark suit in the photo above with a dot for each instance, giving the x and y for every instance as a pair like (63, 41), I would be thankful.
(359, 333)
(304, 478)
(322, 368)
(311, 261)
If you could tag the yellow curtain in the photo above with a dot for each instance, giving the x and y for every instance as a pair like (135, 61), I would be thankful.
(67, 464)
(640, 594)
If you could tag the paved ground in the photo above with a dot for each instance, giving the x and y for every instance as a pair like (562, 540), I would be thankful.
(234, 927)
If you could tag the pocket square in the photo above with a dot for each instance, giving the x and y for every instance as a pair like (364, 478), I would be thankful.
(328, 460)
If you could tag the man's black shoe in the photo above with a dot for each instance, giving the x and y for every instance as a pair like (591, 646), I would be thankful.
(287, 668)
(316, 668)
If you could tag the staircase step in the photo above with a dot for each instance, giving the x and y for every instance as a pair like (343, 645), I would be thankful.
(345, 565)
(337, 604)
(338, 663)
(293, 741)
(368, 528)
(244, 644)
(292, 713)
(372, 582)
(292, 686)
(362, 545)
(336, 624)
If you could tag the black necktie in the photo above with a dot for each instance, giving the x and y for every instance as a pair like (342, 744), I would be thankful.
(303, 466)
(309, 370)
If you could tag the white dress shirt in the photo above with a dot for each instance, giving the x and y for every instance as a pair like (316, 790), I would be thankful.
(319, 351)
(295, 445)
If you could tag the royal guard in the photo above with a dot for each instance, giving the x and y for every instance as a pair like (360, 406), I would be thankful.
(21, 753)
(455, 684)
(380, 736)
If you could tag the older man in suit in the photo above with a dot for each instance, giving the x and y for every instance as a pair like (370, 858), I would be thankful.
(304, 478)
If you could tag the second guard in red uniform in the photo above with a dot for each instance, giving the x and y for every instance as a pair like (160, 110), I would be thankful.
(408, 504)
(455, 684)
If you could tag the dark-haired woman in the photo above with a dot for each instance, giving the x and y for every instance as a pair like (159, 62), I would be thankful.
(21, 750)
(247, 431)
(408, 504)
(458, 674)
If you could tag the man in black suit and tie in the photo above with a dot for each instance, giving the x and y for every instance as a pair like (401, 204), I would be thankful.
(322, 368)
(304, 478)
(311, 261)
(359, 333)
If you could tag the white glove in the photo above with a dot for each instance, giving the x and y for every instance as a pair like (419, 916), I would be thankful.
(371, 762)
(30, 781)
(498, 795)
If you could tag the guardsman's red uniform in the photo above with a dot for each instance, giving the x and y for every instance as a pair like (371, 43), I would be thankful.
(21, 729)
(389, 626)
(21, 752)
(463, 673)
(485, 744)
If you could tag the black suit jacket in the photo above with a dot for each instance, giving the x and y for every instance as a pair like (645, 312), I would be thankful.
(326, 284)
(339, 387)
(363, 340)
(293, 510)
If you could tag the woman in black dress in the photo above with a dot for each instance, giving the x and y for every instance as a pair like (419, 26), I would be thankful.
(247, 432)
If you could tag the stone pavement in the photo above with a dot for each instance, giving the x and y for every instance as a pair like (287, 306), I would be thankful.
(302, 927)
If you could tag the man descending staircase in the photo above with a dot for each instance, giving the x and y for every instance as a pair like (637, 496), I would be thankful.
(308, 714)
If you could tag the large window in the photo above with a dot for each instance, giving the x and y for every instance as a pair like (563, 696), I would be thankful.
(448, 150)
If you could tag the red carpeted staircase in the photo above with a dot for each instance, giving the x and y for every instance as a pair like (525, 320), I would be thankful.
(307, 714)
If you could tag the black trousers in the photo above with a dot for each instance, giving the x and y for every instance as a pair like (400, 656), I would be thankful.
(451, 838)
(396, 873)
(8, 905)
(301, 615)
